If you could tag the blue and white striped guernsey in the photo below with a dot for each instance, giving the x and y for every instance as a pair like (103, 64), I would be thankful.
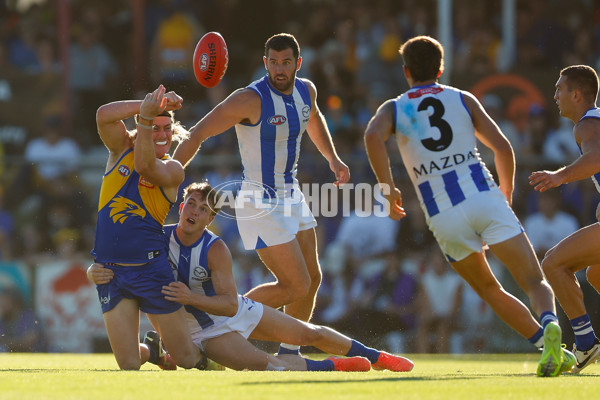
(592, 113)
(270, 148)
(193, 270)
(435, 134)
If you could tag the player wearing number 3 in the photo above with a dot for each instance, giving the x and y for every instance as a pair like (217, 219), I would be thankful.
(435, 127)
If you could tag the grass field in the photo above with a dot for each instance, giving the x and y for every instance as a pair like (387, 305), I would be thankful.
(94, 376)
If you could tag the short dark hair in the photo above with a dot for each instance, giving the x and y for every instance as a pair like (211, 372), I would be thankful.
(583, 78)
(424, 57)
(212, 196)
(282, 41)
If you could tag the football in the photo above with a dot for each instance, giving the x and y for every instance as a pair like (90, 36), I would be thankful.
(210, 59)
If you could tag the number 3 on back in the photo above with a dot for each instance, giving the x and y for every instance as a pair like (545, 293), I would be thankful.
(436, 121)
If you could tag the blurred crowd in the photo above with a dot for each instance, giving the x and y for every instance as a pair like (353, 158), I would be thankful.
(384, 281)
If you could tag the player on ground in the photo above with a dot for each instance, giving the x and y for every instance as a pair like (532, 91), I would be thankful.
(576, 93)
(435, 127)
(138, 189)
(221, 320)
(270, 116)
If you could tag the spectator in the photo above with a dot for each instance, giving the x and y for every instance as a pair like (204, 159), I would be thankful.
(440, 302)
(20, 326)
(173, 49)
(7, 225)
(559, 146)
(52, 155)
(92, 72)
(549, 225)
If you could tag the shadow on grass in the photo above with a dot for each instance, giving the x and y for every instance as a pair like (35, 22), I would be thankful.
(460, 376)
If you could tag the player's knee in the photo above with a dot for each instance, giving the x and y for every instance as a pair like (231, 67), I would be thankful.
(593, 277)
(186, 361)
(549, 266)
(129, 365)
(315, 278)
(293, 291)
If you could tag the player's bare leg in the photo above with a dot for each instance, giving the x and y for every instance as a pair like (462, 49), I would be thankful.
(235, 352)
(122, 327)
(518, 256)
(304, 307)
(572, 254)
(593, 276)
(475, 270)
(286, 263)
(175, 334)
(276, 326)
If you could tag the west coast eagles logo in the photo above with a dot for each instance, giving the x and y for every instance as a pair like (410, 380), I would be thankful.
(122, 208)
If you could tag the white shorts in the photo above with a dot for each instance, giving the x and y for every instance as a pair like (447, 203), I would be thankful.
(244, 322)
(264, 224)
(485, 217)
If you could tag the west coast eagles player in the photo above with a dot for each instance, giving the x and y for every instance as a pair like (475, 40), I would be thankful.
(139, 187)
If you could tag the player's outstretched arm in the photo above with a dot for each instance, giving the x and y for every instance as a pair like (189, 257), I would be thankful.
(241, 106)
(587, 135)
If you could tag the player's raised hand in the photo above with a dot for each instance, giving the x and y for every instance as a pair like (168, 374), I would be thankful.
(154, 103)
(174, 101)
(544, 180)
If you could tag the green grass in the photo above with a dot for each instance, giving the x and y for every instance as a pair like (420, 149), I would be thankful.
(95, 376)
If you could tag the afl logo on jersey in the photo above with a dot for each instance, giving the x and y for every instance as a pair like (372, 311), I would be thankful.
(124, 170)
(277, 120)
(200, 274)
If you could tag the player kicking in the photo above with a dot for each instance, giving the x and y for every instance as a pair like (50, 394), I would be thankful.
(435, 127)
(576, 93)
(221, 320)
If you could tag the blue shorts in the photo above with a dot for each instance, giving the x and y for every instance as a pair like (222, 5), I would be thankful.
(142, 283)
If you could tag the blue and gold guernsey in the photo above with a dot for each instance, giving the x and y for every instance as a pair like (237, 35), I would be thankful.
(436, 138)
(270, 148)
(131, 214)
(190, 265)
(592, 113)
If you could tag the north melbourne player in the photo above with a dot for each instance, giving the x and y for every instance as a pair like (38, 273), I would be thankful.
(270, 115)
(221, 320)
(435, 127)
(576, 93)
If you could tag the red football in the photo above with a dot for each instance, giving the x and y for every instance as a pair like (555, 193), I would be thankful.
(210, 59)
